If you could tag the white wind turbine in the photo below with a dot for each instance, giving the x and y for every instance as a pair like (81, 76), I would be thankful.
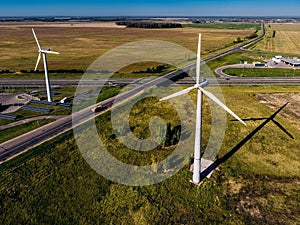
(44, 52)
(200, 87)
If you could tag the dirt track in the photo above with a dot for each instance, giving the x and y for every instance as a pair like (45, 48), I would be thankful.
(276, 100)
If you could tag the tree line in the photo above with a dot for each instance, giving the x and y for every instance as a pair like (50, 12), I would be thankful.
(42, 71)
(148, 25)
(156, 69)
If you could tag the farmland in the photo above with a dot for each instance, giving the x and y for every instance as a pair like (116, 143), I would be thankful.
(286, 40)
(80, 46)
(257, 185)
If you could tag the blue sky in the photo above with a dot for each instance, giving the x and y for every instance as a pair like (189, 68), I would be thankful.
(149, 8)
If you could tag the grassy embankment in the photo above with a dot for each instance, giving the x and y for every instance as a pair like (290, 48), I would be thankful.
(257, 185)
(13, 132)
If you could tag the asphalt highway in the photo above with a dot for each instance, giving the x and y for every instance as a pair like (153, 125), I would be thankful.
(64, 82)
(36, 137)
(187, 80)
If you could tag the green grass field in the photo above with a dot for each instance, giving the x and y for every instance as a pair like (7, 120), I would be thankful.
(237, 58)
(13, 132)
(268, 72)
(226, 26)
(257, 185)
(234, 58)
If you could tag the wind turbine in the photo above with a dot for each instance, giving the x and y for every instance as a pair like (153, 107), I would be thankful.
(44, 53)
(200, 87)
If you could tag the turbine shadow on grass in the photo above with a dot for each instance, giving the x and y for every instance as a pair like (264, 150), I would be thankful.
(215, 164)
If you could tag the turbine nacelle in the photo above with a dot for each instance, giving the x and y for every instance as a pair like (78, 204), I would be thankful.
(203, 84)
(41, 51)
(48, 50)
(187, 90)
(208, 94)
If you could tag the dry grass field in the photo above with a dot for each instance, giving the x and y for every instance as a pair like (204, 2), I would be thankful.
(80, 45)
(50, 24)
(286, 39)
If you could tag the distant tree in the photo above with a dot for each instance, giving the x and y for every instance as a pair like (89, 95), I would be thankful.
(6, 71)
(157, 69)
(238, 40)
(253, 35)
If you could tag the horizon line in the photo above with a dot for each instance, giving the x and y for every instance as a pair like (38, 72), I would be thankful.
(157, 16)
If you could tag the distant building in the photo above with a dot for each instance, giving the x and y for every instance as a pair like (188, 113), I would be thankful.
(295, 62)
(276, 60)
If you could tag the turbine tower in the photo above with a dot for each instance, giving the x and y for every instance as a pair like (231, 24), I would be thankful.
(200, 88)
(44, 52)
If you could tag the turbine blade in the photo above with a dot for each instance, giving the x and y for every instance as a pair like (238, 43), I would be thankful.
(51, 52)
(38, 61)
(36, 39)
(198, 60)
(221, 104)
(185, 91)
